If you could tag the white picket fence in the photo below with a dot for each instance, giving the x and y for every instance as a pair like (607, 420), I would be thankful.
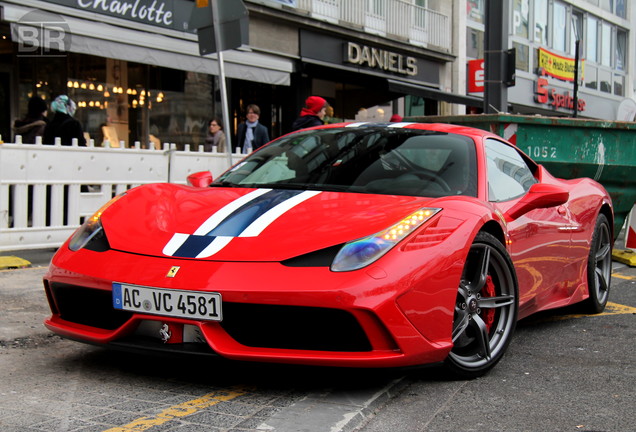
(46, 191)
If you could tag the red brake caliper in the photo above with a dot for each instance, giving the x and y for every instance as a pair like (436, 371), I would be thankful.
(488, 315)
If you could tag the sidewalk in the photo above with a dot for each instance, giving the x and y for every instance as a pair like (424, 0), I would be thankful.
(35, 258)
(23, 304)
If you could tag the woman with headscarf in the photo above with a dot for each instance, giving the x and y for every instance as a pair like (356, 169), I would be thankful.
(312, 114)
(34, 123)
(63, 125)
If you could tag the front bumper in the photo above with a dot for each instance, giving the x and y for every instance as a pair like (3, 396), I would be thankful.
(272, 313)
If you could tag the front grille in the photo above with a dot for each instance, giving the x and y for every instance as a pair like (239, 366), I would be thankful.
(294, 327)
(253, 325)
(88, 306)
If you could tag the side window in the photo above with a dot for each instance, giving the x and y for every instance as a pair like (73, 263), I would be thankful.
(508, 174)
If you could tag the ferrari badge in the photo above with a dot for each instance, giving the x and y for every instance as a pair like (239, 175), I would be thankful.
(173, 271)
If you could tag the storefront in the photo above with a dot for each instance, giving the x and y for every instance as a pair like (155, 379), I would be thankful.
(354, 74)
(546, 37)
(133, 69)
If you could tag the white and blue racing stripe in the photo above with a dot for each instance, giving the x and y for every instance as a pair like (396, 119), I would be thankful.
(392, 125)
(247, 216)
(400, 124)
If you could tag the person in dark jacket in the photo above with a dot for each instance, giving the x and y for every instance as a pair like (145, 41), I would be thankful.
(251, 134)
(34, 123)
(63, 125)
(312, 114)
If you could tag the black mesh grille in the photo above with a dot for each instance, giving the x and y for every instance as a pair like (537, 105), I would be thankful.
(88, 306)
(294, 327)
(253, 325)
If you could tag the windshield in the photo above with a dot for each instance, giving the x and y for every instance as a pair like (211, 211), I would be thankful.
(371, 159)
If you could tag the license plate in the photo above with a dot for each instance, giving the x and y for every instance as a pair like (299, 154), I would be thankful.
(167, 302)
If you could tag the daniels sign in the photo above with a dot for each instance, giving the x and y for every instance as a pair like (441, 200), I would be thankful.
(376, 58)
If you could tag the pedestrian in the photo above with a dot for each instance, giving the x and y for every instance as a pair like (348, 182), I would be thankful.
(34, 123)
(396, 118)
(63, 125)
(215, 136)
(312, 114)
(251, 134)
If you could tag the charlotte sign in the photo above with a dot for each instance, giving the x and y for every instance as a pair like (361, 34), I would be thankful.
(174, 14)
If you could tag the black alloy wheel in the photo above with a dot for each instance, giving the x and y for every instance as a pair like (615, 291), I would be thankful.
(599, 267)
(486, 309)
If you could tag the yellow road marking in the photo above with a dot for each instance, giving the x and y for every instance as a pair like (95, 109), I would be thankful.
(610, 309)
(620, 276)
(181, 410)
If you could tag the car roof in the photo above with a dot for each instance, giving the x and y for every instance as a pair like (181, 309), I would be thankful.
(438, 127)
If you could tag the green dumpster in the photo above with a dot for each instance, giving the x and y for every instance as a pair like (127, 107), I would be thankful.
(569, 148)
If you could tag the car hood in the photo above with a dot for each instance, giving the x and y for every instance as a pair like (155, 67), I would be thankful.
(241, 224)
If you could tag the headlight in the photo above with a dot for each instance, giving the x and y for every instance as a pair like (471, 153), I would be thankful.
(360, 253)
(91, 228)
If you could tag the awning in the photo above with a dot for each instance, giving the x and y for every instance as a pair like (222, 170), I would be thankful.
(178, 51)
(413, 89)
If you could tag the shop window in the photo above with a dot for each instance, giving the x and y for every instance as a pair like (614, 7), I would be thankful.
(591, 43)
(475, 43)
(605, 80)
(522, 58)
(476, 10)
(167, 79)
(607, 5)
(606, 44)
(576, 31)
(559, 26)
(126, 101)
(619, 85)
(621, 49)
(591, 77)
(541, 22)
(181, 117)
(520, 18)
(621, 10)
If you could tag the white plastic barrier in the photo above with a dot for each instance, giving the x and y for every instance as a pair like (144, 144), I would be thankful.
(46, 191)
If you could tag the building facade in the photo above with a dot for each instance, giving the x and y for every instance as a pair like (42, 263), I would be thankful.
(545, 35)
(135, 70)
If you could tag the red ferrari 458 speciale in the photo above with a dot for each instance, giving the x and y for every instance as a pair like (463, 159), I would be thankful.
(362, 245)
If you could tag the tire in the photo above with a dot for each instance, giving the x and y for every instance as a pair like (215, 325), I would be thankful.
(599, 267)
(486, 309)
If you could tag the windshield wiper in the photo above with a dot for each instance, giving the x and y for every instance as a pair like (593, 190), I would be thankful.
(310, 186)
(224, 183)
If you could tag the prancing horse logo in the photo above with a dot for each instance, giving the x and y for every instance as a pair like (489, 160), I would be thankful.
(173, 271)
(165, 333)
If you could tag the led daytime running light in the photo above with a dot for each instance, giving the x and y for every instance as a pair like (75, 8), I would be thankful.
(403, 228)
(362, 252)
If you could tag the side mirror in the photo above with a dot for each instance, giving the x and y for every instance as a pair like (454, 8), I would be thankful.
(200, 179)
(540, 195)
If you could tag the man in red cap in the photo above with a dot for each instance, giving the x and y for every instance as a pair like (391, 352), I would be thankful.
(312, 114)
